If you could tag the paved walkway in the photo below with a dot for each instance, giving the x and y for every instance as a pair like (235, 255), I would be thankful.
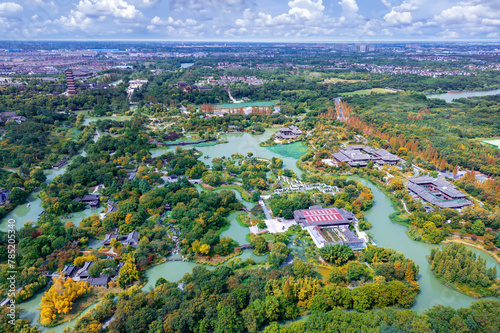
(278, 225)
(264, 208)
(404, 204)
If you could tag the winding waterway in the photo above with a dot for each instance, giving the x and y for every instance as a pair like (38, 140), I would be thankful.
(386, 233)
(244, 143)
(391, 235)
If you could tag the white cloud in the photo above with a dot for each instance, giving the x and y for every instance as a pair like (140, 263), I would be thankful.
(170, 21)
(10, 8)
(114, 8)
(488, 21)
(75, 21)
(410, 5)
(144, 3)
(386, 3)
(350, 16)
(304, 18)
(173, 27)
(349, 7)
(396, 18)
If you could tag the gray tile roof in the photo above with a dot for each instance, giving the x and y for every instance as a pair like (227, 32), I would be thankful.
(360, 155)
(457, 198)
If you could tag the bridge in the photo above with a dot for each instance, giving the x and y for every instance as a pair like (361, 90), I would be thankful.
(176, 259)
(185, 143)
(245, 247)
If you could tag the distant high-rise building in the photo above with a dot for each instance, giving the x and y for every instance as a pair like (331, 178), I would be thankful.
(71, 82)
(340, 46)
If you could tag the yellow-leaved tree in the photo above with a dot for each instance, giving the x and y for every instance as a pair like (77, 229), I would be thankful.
(128, 272)
(80, 261)
(60, 297)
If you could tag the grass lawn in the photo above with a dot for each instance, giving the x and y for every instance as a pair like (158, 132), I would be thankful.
(337, 80)
(367, 92)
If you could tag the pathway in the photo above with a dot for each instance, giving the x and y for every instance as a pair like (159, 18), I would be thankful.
(231, 97)
(404, 204)
(264, 208)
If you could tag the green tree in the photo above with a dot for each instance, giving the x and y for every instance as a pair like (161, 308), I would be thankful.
(259, 244)
(337, 254)
(478, 228)
(228, 320)
(279, 253)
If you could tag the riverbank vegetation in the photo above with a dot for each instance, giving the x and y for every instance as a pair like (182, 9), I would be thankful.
(461, 269)
(59, 299)
(145, 189)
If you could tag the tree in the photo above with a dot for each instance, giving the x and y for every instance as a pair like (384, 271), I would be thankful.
(337, 254)
(302, 269)
(38, 175)
(128, 272)
(259, 244)
(279, 253)
(228, 320)
(357, 271)
(204, 249)
(18, 196)
(256, 196)
(254, 315)
(336, 275)
(60, 297)
(144, 186)
(478, 228)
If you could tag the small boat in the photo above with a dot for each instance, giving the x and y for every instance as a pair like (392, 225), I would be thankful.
(28, 205)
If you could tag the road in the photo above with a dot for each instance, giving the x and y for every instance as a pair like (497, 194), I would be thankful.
(231, 97)
(264, 208)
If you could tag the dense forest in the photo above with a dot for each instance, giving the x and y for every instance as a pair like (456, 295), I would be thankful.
(236, 301)
(119, 147)
(464, 270)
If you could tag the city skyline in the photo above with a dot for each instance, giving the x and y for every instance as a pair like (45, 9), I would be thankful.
(360, 21)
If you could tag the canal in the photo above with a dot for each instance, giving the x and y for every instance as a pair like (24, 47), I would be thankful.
(386, 233)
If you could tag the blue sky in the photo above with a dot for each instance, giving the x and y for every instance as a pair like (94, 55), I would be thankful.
(250, 20)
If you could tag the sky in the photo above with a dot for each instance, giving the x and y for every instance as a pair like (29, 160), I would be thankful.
(362, 21)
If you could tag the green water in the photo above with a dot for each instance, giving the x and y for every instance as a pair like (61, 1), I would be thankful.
(22, 213)
(248, 205)
(236, 231)
(448, 97)
(394, 236)
(88, 119)
(246, 104)
(294, 150)
(243, 143)
(495, 142)
(386, 233)
(173, 271)
(32, 312)
(76, 218)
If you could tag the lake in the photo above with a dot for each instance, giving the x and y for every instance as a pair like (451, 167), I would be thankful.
(493, 142)
(386, 233)
(448, 97)
(246, 104)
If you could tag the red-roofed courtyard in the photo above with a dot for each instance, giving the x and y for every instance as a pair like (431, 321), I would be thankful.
(322, 215)
(318, 215)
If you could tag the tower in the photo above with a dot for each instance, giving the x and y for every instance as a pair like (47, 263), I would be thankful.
(71, 82)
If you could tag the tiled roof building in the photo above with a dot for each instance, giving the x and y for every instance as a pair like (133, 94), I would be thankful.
(438, 192)
(360, 155)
